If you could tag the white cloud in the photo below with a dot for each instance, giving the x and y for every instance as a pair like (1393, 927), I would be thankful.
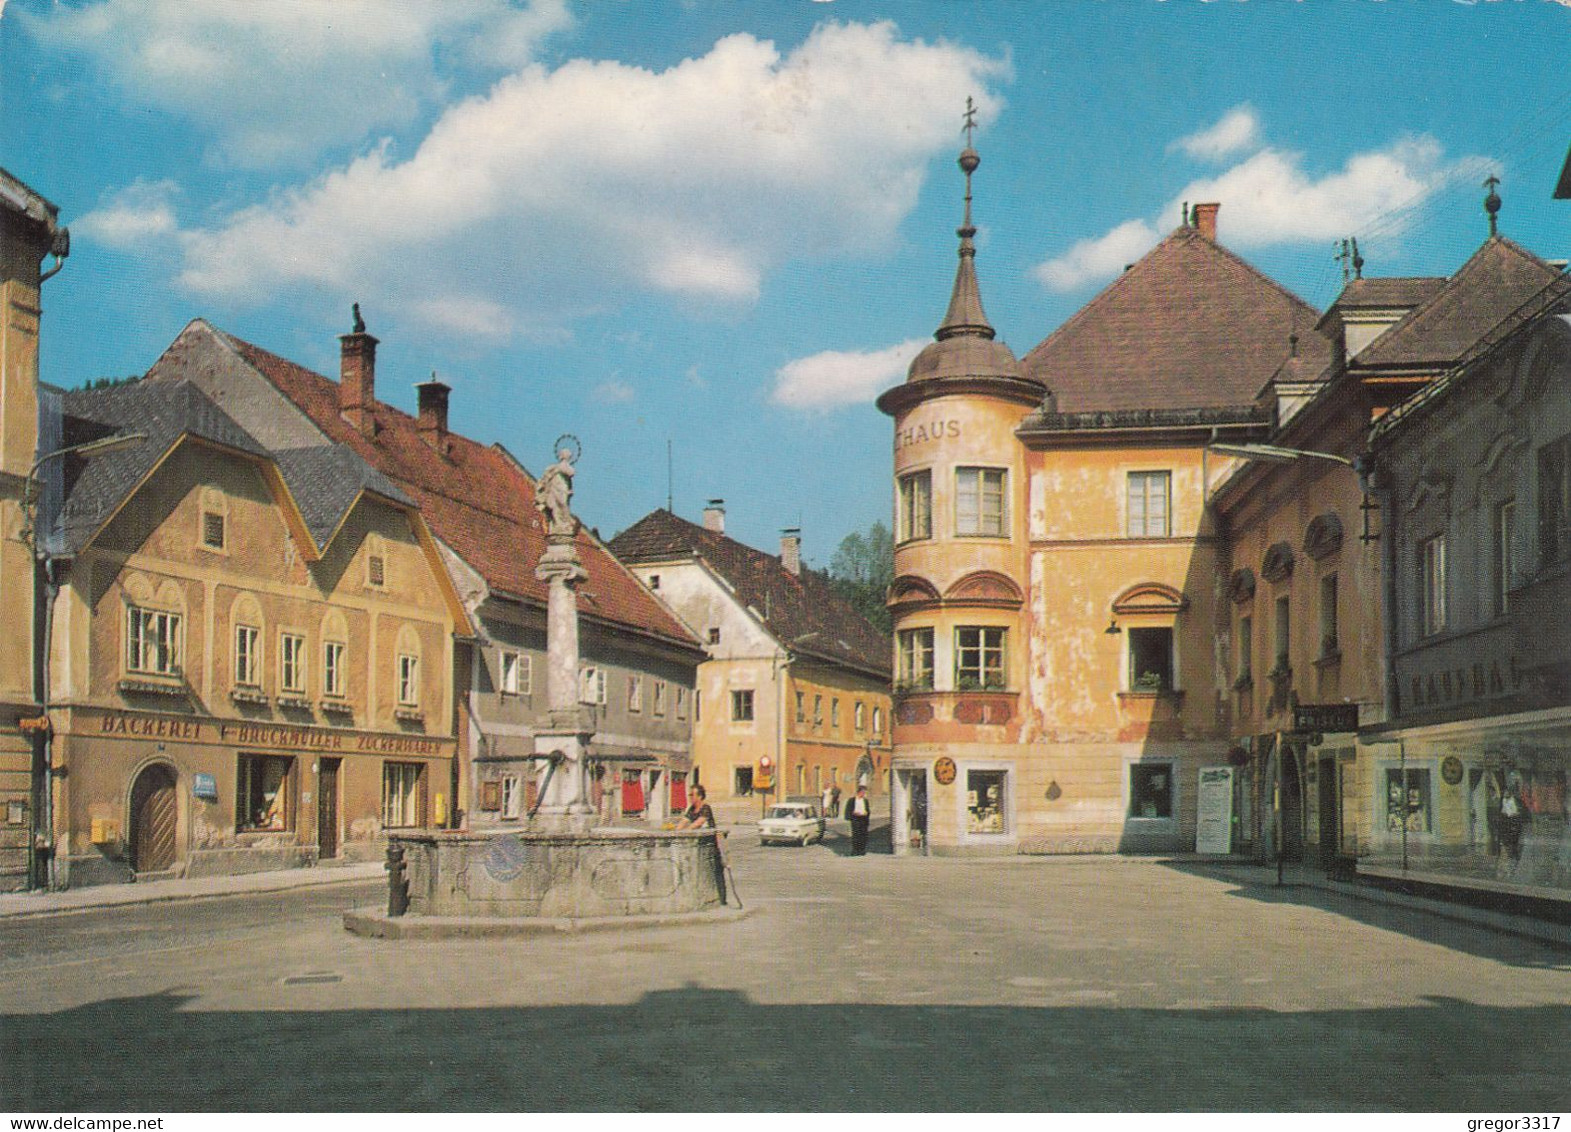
(843, 377)
(560, 192)
(1099, 258)
(136, 216)
(613, 393)
(1268, 199)
(282, 79)
(1237, 130)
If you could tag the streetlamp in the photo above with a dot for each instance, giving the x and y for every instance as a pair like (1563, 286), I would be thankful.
(44, 564)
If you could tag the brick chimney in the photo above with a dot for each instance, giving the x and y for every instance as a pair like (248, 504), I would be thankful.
(357, 376)
(714, 516)
(1205, 219)
(432, 422)
(791, 550)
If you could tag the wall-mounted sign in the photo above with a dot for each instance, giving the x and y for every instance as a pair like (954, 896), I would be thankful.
(944, 770)
(1451, 770)
(765, 762)
(1325, 717)
(33, 724)
(205, 787)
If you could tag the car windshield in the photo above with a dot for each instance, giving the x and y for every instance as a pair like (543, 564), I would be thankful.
(787, 811)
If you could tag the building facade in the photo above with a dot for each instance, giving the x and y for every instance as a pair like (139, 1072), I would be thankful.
(29, 233)
(479, 504)
(1055, 595)
(249, 649)
(794, 696)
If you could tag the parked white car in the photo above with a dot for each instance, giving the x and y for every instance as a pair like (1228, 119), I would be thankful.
(797, 822)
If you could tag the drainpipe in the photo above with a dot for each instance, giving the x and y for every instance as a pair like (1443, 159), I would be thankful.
(44, 835)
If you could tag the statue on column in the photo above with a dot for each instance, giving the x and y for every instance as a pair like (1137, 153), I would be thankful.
(554, 490)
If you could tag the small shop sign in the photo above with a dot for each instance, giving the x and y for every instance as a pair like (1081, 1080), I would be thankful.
(1325, 717)
(205, 787)
(944, 770)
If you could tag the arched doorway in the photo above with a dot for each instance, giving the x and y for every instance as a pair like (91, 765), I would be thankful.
(154, 819)
(1292, 805)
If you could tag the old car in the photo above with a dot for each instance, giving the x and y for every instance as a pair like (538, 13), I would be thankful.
(797, 822)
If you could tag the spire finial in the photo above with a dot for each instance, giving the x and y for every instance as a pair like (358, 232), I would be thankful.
(965, 305)
(969, 160)
(1492, 201)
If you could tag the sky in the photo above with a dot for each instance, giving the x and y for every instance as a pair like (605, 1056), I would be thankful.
(720, 228)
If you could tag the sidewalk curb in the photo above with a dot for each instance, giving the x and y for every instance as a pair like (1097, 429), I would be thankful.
(112, 899)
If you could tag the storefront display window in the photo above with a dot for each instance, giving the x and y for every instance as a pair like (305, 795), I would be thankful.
(985, 801)
(1151, 790)
(262, 800)
(401, 802)
(1407, 800)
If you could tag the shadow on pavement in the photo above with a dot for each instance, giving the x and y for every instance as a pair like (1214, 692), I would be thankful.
(1417, 923)
(838, 841)
(710, 1049)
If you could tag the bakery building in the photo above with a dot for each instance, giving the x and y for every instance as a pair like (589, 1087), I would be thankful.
(249, 648)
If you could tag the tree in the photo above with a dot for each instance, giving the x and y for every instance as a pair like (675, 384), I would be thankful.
(861, 570)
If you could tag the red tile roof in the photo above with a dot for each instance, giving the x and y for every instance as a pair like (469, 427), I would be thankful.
(1390, 291)
(802, 610)
(475, 498)
(1189, 326)
(1486, 292)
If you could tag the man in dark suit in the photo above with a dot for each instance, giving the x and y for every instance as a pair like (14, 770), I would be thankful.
(860, 811)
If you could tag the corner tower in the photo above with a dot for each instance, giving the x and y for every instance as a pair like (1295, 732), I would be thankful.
(960, 560)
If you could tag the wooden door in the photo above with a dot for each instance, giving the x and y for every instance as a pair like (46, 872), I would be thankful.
(154, 820)
(1330, 820)
(327, 809)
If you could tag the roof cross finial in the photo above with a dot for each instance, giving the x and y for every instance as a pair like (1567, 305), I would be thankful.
(1492, 201)
(970, 120)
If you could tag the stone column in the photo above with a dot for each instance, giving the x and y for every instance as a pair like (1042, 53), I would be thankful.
(564, 780)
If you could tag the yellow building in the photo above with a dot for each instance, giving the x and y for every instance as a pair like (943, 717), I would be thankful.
(29, 232)
(1056, 565)
(250, 649)
(794, 698)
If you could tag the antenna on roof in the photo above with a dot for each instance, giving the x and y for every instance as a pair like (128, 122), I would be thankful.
(668, 476)
(1186, 214)
(1358, 261)
(1344, 256)
(1492, 201)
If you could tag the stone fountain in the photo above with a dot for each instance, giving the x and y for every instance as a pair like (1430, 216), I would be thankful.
(560, 871)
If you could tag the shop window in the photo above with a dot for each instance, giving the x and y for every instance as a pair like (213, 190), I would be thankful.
(1150, 497)
(333, 675)
(985, 802)
(742, 705)
(263, 797)
(801, 707)
(635, 693)
(517, 673)
(916, 506)
(152, 641)
(1554, 501)
(660, 694)
(980, 658)
(1432, 585)
(1330, 645)
(1505, 568)
(591, 684)
(512, 797)
(834, 714)
(402, 794)
(1408, 800)
(291, 663)
(980, 501)
(916, 660)
(1151, 790)
(408, 680)
(248, 640)
(859, 716)
(1151, 659)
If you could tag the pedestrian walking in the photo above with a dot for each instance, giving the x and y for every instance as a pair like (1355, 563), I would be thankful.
(860, 811)
(829, 796)
(834, 800)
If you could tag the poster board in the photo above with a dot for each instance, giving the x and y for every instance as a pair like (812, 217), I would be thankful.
(1214, 824)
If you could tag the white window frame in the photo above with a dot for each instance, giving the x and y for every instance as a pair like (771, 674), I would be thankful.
(681, 702)
(152, 643)
(1144, 522)
(1174, 786)
(659, 699)
(408, 680)
(915, 510)
(915, 666)
(401, 784)
(736, 703)
(1504, 554)
(984, 650)
(1432, 596)
(963, 809)
(291, 663)
(248, 656)
(591, 685)
(517, 673)
(512, 797)
(334, 654)
(974, 517)
(635, 692)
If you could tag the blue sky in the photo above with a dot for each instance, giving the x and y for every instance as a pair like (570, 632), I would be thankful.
(729, 224)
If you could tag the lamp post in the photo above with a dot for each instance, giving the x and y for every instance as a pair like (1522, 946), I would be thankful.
(43, 838)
